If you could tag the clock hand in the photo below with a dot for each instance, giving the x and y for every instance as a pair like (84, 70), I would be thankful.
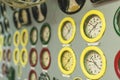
(92, 28)
(95, 63)
(68, 31)
(67, 61)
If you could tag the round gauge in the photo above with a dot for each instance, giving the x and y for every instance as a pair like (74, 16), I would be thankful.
(1, 54)
(93, 26)
(19, 70)
(24, 57)
(1, 40)
(116, 21)
(16, 38)
(39, 12)
(24, 16)
(32, 75)
(9, 55)
(9, 40)
(16, 20)
(33, 35)
(33, 57)
(4, 55)
(16, 56)
(71, 6)
(7, 26)
(117, 64)
(66, 30)
(4, 69)
(66, 60)
(77, 78)
(1, 28)
(93, 62)
(44, 76)
(3, 9)
(24, 37)
(45, 58)
(45, 33)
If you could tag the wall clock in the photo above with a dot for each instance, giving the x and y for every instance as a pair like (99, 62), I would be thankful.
(93, 62)
(9, 40)
(77, 78)
(24, 57)
(32, 75)
(1, 28)
(71, 6)
(4, 69)
(24, 37)
(24, 17)
(33, 35)
(7, 25)
(92, 26)
(117, 64)
(33, 57)
(66, 60)
(45, 58)
(116, 21)
(45, 33)
(1, 54)
(95, 1)
(9, 55)
(16, 20)
(44, 76)
(66, 30)
(16, 38)
(39, 12)
(16, 55)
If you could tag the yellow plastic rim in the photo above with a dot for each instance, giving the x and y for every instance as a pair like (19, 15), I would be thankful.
(1, 40)
(16, 41)
(92, 12)
(24, 37)
(24, 57)
(60, 64)
(82, 62)
(62, 40)
(1, 54)
(16, 55)
(77, 78)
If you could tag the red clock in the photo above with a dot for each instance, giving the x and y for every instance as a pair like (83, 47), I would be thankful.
(117, 64)
(45, 58)
(32, 75)
(33, 57)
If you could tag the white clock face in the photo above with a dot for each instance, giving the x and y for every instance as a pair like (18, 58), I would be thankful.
(93, 62)
(45, 58)
(46, 34)
(67, 60)
(93, 26)
(34, 57)
(67, 30)
(33, 76)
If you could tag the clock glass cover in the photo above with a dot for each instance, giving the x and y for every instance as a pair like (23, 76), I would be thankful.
(71, 6)
(39, 12)
(93, 62)
(45, 33)
(32, 75)
(33, 57)
(92, 26)
(116, 21)
(34, 35)
(45, 58)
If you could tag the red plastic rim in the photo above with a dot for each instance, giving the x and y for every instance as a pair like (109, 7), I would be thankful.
(32, 72)
(41, 54)
(33, 65)
(116, 64)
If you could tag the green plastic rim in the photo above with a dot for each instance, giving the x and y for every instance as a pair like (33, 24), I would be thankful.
(31, 36)
(9, 40)
(41, 32)
(116, 21)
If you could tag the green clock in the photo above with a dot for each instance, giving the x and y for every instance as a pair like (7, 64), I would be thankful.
(45, 33)
(116, 21)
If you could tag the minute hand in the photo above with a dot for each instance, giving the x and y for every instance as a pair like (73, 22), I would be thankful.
(92, 28)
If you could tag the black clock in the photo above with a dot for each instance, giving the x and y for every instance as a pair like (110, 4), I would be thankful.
(71, 6)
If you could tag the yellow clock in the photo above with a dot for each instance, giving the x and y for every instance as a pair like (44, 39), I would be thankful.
(16, 38)
(24, 57)
(24, 37)
(66, 30)
(93, 62)
(67, 61)
(92, 26)
(16, 56)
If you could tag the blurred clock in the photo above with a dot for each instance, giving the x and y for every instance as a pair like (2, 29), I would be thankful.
(44, 76)
(32, 75)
